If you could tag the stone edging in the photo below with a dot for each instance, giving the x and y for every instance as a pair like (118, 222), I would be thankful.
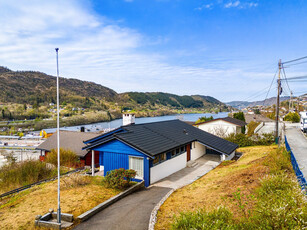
(154, 212)
(88, 214)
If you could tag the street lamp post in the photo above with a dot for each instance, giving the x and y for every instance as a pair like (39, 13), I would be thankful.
(58, 136)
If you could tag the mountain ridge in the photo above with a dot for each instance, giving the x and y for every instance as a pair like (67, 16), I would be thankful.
(33, 87)
(266, 102)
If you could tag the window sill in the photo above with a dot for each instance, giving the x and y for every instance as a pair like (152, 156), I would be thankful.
(139, 178)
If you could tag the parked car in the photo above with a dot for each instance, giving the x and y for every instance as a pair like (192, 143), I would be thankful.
(303, 121)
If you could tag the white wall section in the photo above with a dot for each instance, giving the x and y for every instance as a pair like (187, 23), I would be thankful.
(197, 151)
(168, 167)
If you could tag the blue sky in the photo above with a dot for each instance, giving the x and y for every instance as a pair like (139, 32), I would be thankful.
(227, 49)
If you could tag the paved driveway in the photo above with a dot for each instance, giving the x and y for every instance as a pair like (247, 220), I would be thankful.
(130, 213)
(133, 212)
(298, 145)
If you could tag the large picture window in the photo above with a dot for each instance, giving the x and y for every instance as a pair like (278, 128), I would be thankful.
(137, 164)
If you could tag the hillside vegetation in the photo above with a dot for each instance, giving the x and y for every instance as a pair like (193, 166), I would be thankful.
(35, 87)
(31, 95)
(172, 100)
(259, 191)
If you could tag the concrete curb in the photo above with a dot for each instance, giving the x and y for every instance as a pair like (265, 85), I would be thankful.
(88, 214)
(154, 212)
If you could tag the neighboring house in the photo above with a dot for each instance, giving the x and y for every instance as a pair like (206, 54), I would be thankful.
(72, 141)
(222, 127)
(156, 150)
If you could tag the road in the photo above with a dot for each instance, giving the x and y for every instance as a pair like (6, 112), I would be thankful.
(298, 145)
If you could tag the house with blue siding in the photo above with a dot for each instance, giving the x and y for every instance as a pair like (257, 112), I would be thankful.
(156, 150)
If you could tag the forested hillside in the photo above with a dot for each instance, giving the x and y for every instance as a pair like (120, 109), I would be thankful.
(27, 95)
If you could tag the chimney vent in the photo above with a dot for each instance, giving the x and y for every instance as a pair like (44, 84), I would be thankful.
(128, 119)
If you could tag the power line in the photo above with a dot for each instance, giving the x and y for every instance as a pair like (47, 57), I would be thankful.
(270, 87)
(294, 60)
(303, 92)
(297, 63)
(297, 78)
(255, 95)
(283, 69)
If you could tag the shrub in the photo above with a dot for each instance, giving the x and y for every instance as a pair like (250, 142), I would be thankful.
(240, 139)
(294, 117)
(19, 174)
(75, 180)
(119, 178)
(68, 158)
(203, 119)
(243, 140)
(251, 127)
(239, 116)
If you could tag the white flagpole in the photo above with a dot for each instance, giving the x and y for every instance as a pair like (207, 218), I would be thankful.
(58, 135)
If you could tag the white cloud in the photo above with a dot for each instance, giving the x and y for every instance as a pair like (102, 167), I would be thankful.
(240, 5)
(93, 48)
(205, 6)
(252, 4)
(232, 4)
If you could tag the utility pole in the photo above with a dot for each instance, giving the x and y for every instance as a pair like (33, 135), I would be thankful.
(291, 102)
(277, 103)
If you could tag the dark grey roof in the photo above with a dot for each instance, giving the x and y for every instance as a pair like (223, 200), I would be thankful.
(68, 140)
(227, 119)
(234, 121)
(158, 137)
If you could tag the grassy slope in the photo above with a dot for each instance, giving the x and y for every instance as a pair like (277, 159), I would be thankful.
(19, 211)
(218, 186)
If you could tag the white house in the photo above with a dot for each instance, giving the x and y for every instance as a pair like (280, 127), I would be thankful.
(222, 127)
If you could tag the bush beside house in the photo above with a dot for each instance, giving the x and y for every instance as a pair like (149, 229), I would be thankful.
(68, 158)
(244, 140)
(119, 178)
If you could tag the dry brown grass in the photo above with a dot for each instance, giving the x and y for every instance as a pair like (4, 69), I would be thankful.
(19, 211)
(217, 187)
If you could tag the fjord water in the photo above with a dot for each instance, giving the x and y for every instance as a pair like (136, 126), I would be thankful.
(118, 122)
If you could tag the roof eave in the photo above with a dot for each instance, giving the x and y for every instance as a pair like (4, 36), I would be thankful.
(119, 139)
(215, 149)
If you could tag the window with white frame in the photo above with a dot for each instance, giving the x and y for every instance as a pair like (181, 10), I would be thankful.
(137, 164)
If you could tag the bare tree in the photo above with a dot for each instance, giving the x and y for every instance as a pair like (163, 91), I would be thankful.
(219, 131)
